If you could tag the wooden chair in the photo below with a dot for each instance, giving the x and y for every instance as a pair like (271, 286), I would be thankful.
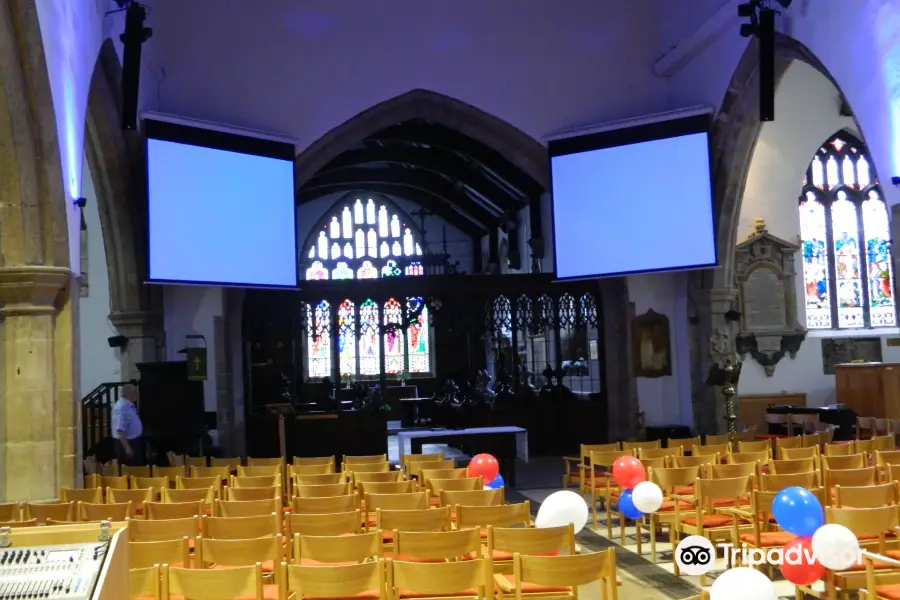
(92, 495)
(88, 511)
(206, 496)
(175, 510)
(868, 496)
(157, 484)
(230, 463)
(348, 460)
(321, 491)
(426, 474)
(705, 461)
(336, 550)
(602, 486)
(720, 439)
(561, 576)
(454, 498)
(846, 461)
(470, 579)
(482, 517)
(427, 519)
(303, 461)
(323, 469)
(882, 577)
(504, 542)
(720, 450)
(61, 511)
(575, 468)
(802, 453)
(686, 444)
(175, 553)
(386, 487)
(233, 551)
(222, 472)
(12, 511)
(838, 449)
(642, 445)
(259, 471)
(254, 493)
(319, 479)
(772, 482)
(378, 477)
(140, 530)
(238, 528)
(671, 481)
(654, 453)
(195, 461)
(760, 457)
(325, 504)
(409, 461)
(374, 502)
(249, 481)
(885, 443)
(363, 580)
(170, 473)
(138, 498)
(248, 508)
(245, 583)
(468, 484)
(145, 583)
(781, 444)
(850, 477)
(196, 483)
(793, 466)
(414, 470)
(437, 546)
(265, 462)
(755, 446)
(135, 471)
(116, 482)
(327, 524)
(358, 468)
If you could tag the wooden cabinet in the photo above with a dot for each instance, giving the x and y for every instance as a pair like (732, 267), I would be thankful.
(752, 407)
(869, 389)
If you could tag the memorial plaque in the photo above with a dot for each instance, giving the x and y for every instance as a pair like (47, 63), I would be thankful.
(764, 301)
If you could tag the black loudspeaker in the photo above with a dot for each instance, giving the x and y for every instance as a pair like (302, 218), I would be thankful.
(133, 39)
(767, 65)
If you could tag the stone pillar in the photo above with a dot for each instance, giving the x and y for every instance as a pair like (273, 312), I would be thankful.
(31, 424)
(146, 342)
(715, 343)
(621, 385)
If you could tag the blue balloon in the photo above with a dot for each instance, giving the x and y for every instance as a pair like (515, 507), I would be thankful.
(798, 511)
(496, 483)
(627, 507)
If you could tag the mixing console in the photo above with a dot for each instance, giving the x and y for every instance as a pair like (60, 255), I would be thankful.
(67, 572)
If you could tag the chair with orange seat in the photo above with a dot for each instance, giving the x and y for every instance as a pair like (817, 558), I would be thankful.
(248, 508)
(324, 524)
(465, 579)
(198, 483)
(254, 493)
(336, 549)
(321, 491)
(175, 510)
(92, 495)
(88, 511)
(436, 546)
(11, 511)
(175, 553)
(867, 496)
(386, 487)
(60, 511)
(504, 542)
(504, 515)
(672, 480)
(138, 498)
(323, 469)
(144, 584)
(235, 528)
(781, 444)
(490, 497)
(206, 496)
(157, 484)
(849, 477)
(226, 552)
(773, 482)
(655, 444)
(140, 530)
(324, 504)
(465, 484)
(755, 446)
(244, 583)
(561, 576)
(378, 477)
(601, 485)
(793, 466)
(318, 479)
(705, 461)
(813, 452)
(655, 453)
(252, 481)
(882, 577)
(363, 581)
(135, 471)
(838, 449)
(576, 469)
(427, 519)
(760, 458)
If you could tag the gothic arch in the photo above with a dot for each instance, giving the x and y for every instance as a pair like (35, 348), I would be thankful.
(522, 150)
(114, 157)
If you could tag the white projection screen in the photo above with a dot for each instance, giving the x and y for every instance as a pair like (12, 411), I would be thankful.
(221, 208)
(635, 200)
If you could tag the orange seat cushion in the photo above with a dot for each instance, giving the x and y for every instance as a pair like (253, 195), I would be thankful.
(891, 592)
(769, 538)
(267, 566)
(669, 505)
(533, 588)
(710, 521)
(415, 559)
(435, 502)
(414, 594)
(387, 536)
(270, 592)
(685, 490)
(861, 566)
(868, 537)
(720, 502)
(367, 595)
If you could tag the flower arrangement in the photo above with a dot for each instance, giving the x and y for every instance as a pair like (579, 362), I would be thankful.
(403, 377)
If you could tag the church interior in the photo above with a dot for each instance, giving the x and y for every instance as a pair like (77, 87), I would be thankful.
(421, 370)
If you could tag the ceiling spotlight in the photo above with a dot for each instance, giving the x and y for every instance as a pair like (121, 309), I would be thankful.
(785, 3)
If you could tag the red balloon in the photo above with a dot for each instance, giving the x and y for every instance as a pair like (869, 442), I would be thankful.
(484, 466)
(798, 565)
(628, 472)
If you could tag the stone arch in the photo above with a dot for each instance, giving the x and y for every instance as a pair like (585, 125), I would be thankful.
(114, 157)
(522, 150)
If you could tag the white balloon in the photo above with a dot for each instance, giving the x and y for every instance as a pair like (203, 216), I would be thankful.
(561, 508)
(742, 583)
(835, 547)
(647, 497)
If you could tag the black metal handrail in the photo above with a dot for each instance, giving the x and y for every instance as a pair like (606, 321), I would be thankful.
(96, 416)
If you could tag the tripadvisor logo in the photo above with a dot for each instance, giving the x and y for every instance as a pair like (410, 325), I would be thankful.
(695, 555)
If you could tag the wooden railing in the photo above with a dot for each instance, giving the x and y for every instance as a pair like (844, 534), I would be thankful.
(96, 415)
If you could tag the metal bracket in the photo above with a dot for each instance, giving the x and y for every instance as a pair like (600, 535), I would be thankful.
(104, 531)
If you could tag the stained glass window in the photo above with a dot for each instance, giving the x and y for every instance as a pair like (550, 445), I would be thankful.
(367, 238)
(847, 272)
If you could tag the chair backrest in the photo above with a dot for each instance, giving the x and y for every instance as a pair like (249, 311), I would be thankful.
(868, 496)
(695, 461)
(792, 466)
(140, 530)
(259, 471)
(641, 445)
(800, 453)
(11, 511)
(731, 471)
(707, 491)
(214, 584)
(674, 477)
(92, 495)
(157, 484)
(426, 474)
(87, 511)
(336, 581)
(444, 579)
(236, 528)
(138, 497)
(650, 453)
(170, 473)
(198, 495)
(321, 491)
(252, 481)
(887, 457)
(386, 487)
(367, 459)
(437, 545)
(864, 446)
(160, 552)
(322, 469)
(755, 446)
(415, 469)
(506, 515)
(491, 497)
(377, 467)
(195, 461)
(410, 501)
(760, 457)
(230, 463)
(337, 549)
(136, 471)
(848, 461)
(378, 477)
(248, 508)
(238, 552)
(59, 511)
(254, 493)
(411, 459)
(265, 462)
(606, 459)
(427, 519)
(220, 471)
(838, 449)
(531, 540)
(175, 510)
(774, 482)
(326, 524)
(319, 478)
(851, 477)
(878, 521)
(118, 482)
(719, 439)
(470, 484)
(193, 483)
(686, 444)
(570, 571)
(306, 461)
(145, 582)
(324, 504)
(711, 449)
(789, 442)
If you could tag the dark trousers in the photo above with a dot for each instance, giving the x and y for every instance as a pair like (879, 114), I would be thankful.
(137, 457)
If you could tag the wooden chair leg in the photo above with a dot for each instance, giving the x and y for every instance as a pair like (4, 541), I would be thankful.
(654, 525)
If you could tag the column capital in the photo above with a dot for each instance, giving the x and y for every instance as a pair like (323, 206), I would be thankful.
(31, 289)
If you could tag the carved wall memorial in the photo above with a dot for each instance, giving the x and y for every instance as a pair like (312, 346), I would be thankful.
(764, 278)
(842, 350)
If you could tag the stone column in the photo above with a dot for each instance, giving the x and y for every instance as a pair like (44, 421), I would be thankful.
(30, 420)
(146, 342)
(621, 385)
(715, 343)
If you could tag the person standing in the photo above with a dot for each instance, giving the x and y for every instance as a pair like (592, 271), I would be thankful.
(127, 428)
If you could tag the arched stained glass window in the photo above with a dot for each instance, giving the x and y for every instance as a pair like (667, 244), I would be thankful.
(367, 238)
(847, 272)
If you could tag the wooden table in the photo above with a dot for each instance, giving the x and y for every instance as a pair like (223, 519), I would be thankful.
(506, 444)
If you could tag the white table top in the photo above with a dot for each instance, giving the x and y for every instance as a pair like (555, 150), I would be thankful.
(404, 437)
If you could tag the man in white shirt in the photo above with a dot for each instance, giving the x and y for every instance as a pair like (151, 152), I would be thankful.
(127, 428)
